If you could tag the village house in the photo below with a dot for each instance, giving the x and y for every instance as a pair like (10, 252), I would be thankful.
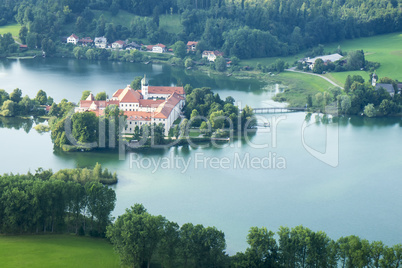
(388, 87)
(100, 42)
(72, 39)
(326, 59)
(86, 41)
(23, 47)
(133, 46)
(191, 46)
(151, 104)
(211, 55)
(159, 48)
(118, 44)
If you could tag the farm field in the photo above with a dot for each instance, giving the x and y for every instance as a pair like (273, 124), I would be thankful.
(56, 251)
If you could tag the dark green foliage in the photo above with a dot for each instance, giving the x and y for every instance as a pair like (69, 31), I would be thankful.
(136, 83)
(139, 238)
(209, 108)
(355, 60)
(220, 64)
(101, 96)
(43, 202)
(179, 49)
(319, 66)
(41, 97)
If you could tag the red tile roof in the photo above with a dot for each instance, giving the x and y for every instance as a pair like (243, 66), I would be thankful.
(138, 116)
(74, 36)
(86, 40)
(117, 93)
(129, 95)
(160, 45)
(165, 90)
(150, 102)
(191, 43)
(149, 47)
(165, 109)
(120, 42)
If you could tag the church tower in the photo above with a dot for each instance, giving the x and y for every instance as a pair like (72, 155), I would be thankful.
(374, 79)
(144, 87)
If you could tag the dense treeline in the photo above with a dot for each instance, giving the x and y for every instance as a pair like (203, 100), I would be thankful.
(46, 202)
(14, 104)
(241, 28)
(141, 239)
(209, 112)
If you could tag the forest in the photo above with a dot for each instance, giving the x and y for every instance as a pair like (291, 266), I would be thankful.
(73, 201)
(240, 28)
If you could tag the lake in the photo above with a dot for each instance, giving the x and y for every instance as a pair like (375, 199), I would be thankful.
(341, 177)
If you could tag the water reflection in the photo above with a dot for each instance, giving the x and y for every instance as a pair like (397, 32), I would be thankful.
(16, 123)
(356, 121)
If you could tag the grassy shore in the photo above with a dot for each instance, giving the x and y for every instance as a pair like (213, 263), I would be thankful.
(299, 86)
(56, 251)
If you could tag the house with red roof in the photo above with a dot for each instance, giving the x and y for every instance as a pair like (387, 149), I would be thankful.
(86, 41)
(119, 44)
(191, 46)
(147, 106)
(159, 48)
(212, 55)
(72, 39)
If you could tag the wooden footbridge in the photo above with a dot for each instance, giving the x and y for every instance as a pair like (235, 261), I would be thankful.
(275, 110)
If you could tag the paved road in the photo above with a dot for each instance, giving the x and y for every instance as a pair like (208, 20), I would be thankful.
(293, 69)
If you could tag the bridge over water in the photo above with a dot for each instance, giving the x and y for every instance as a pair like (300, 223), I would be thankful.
(274, 110)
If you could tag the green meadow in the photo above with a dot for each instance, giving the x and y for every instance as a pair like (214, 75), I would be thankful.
(14, 29)
(300, 85)
(170, 23)
(56, 251)
(385, 49)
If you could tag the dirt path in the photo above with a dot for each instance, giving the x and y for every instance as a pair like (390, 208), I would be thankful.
(293, 69)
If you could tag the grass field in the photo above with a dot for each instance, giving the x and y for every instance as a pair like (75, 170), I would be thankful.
(386, 49)
(171, 23)
(14, 29)
(56, 251)
(123, 18)
(301, 85)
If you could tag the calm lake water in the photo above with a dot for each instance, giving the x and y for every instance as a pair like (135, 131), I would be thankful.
(273, 179)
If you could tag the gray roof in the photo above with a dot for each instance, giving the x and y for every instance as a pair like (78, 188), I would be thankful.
(331, 58)
(388, 87)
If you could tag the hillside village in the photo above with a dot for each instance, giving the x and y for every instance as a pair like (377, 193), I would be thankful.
(102, 43)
